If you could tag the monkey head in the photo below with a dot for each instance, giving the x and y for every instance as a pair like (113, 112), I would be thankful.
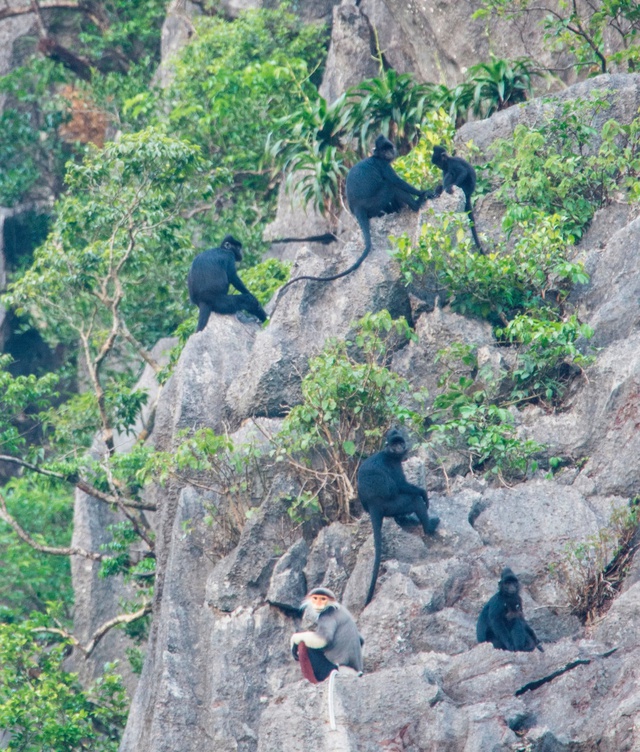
(508, 584)
(384, 149)
(319, 599)
(439, 157)
(395, 444)
(229, 243)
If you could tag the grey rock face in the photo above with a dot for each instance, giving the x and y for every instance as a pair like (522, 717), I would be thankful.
(218, 672)
(98, 599)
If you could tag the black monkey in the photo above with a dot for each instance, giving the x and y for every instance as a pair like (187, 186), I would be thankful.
(385, 492)
(211, 274)
(457, 171)
(501, 621)
(373, 189)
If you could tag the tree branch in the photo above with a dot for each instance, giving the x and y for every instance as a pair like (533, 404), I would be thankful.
(81, 484)
(100, 632)
(24, 536)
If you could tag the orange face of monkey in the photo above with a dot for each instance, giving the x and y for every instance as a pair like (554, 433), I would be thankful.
(319, 602)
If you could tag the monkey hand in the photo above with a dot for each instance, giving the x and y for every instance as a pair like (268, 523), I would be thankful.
(294, 645)
(540, 648)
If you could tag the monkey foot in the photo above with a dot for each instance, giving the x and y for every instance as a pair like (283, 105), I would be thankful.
(433, 524)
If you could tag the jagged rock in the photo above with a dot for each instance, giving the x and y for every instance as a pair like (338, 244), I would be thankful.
(288, 585)
(98, 599)
(418, 360)
(309, 313)
(244, 575)
(349, 59)
(210, 362)
(177, 30)
(427, 686)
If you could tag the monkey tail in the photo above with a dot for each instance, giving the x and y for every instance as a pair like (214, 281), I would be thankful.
(203, 318)
(325, 239)
(472, 222)
(331, 699)
(376, 523)
(364, 225)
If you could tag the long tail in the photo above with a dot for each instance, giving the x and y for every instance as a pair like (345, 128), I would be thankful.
(469, 209)
(325, 239)
(330, 700)
(377, 544)
(363, 221)
(203, 318)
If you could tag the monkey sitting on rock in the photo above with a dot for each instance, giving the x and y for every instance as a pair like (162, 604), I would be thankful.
(501, 621)
(385, 492)
(209, 278)
(335, 641)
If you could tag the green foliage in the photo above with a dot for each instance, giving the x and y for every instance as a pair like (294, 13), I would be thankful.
(499, 84)
(45, 708)
(416, 168)
(116, 244)
(232, 83)
(32, 154)
(496, 285)
(349, 399)
(265, 278)
(32, 580)
(589, 30)
(129, 33)
(393, 104)
(20, 396)
(553, 167)
(543, 347)
(466, 416)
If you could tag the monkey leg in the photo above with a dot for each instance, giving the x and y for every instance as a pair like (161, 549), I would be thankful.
(315, 666)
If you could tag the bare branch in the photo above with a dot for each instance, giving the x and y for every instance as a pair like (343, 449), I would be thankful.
(80, 483)
(24, 536)
(100, 632)
(142, 351)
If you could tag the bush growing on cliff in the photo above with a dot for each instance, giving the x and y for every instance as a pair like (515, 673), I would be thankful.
(349, 399)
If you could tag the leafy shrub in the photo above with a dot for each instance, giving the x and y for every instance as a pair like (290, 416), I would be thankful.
(44, 708)
(499, 84)
(553, 167)
(466, 416)
(497, 285)
(546, 353)
(349, 399)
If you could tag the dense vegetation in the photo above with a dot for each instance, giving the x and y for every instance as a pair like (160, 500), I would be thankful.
(140, 174)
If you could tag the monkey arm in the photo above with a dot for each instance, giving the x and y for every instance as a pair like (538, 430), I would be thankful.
(310, 639)
(408, 488)
(235, 280)
(498, 626)
(392, 177)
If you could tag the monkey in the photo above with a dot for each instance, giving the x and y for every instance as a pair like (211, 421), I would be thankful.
(501, 621)
(335, 641)
(373, 188)
(385, 492)
(457, 171)
(210, 275)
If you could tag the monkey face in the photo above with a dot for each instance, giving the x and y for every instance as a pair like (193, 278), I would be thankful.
(319, 602)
